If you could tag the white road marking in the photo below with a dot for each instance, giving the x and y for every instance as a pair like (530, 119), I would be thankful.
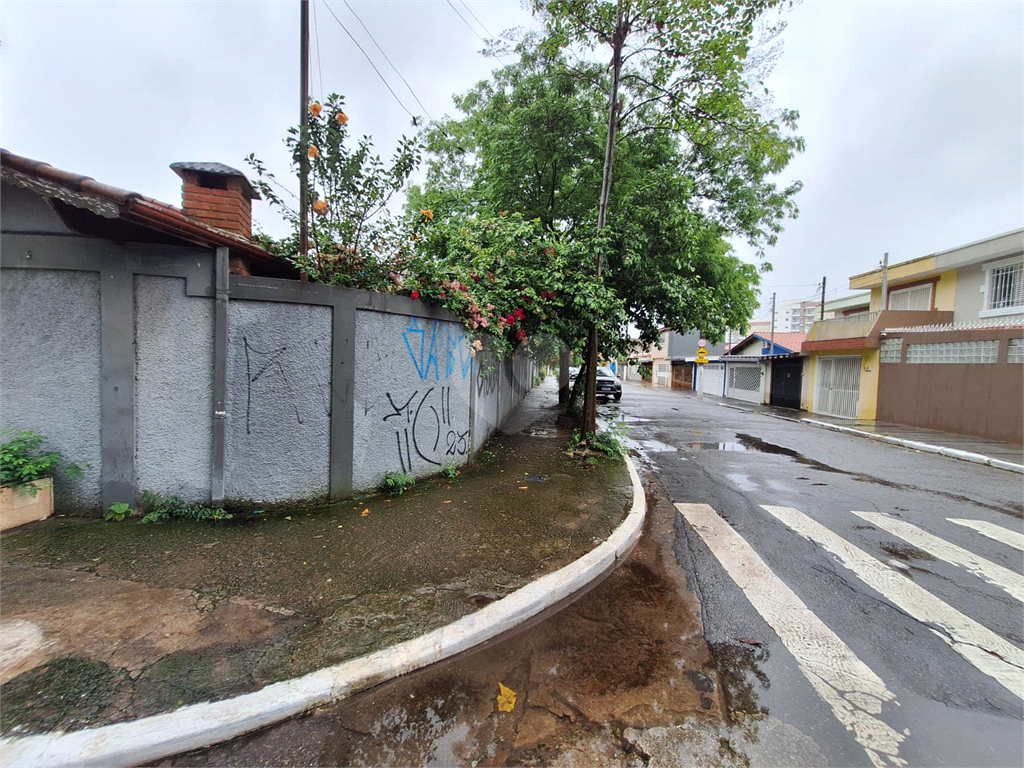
(993, 531)
(982, 647)
(1004, 578)
(853, 691)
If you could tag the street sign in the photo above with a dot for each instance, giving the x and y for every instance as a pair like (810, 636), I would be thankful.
(702, 354)
(702, 343)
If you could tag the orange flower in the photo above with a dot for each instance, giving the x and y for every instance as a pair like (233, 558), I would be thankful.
(342, 118)
(315, 109)
(427, 214)
(313, 151)
(414, 237)
(320, 206)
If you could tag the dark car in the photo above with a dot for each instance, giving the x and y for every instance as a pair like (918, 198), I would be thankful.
(608, 385)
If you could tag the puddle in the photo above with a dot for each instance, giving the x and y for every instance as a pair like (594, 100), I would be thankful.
(717, 446)
(743, 482)
(656, 446)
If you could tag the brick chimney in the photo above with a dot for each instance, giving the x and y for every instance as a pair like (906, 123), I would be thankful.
(217, 195)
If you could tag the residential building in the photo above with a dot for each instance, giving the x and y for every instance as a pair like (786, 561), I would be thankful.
(941, 350)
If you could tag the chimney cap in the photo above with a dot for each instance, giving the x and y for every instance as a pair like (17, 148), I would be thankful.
(218, 169)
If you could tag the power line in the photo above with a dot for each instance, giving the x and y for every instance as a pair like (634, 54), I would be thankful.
(316, 36)
(352, 10)
(482, 25)
(390, 89)
(472, 28)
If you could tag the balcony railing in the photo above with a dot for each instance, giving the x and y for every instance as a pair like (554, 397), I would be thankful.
(849, 327)
(871, 324)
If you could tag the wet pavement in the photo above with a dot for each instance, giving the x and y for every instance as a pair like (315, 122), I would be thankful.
(971, 444)
(619, 675)
(116, 621)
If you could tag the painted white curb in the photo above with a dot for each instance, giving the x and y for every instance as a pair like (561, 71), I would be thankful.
(200, 725)
(975, 458)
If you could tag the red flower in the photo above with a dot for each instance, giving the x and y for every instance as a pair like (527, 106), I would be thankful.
(476, 277)
(520, 334)
(442, 295)
(526, 298)
(415, 294)
(519, 314)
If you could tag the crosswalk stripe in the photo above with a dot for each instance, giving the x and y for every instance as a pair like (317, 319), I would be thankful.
(853, 691)
(993, 531)
(1004, 578)
(982, 647)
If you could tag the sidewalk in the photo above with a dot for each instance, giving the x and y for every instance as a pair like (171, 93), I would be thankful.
(111, 622)
(977, 449)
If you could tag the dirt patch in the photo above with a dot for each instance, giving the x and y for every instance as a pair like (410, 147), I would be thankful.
(630, 653)
(180, 612)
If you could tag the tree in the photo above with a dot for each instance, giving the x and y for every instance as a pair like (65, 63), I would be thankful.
(682, 65)
(355, 239)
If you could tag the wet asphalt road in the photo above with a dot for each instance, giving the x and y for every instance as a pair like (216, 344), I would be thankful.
(735, 635)
(947, 703)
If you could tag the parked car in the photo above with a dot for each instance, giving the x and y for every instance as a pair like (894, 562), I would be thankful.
(608, 385)
(574, 371)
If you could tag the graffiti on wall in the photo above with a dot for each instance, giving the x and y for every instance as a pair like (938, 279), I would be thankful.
(425, 430)
(440, 346)
(271, 373)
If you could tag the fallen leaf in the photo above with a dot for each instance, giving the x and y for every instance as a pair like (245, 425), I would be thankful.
(524, 487)
(447, 501)
(341, 526)
(749, 641)
(289, 517)
(365, 512)
(506, 698)
(318, 537)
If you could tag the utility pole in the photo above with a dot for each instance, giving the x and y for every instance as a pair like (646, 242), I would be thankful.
(885, 281)
(618, 40)
(821, 314)
(304, 134)
(771, 334)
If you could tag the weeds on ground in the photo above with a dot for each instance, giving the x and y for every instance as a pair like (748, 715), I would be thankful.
(449, 471)
(595, 443)
(396, 483)
(153, 507)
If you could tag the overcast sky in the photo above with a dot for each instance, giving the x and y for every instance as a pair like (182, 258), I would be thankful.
(913, 112)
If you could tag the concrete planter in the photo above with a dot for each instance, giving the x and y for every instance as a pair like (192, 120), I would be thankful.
(19, 505)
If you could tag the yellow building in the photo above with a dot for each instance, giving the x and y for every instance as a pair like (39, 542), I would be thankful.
(980, 283)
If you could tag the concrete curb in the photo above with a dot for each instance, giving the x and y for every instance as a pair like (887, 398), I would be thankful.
(975, 458)
(200, 725)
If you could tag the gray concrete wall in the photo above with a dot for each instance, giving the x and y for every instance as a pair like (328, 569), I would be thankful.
(413, 383)
(50, 355)
(173, 388)
(279, 401)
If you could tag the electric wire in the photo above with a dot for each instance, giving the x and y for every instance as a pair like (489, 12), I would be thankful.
(316, 37)
(382, 79)
(472, 28)
(370, 34)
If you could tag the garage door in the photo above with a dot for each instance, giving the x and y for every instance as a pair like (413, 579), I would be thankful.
(837, 386)
(711, 379)
(745, 382)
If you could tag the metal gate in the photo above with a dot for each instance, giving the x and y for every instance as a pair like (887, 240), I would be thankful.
(663, 373)
(711, 379)
(745, 382)
(838, 386)
(787, 375)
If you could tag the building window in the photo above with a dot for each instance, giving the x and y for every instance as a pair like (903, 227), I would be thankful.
(954, 352)
(1015, 354)
(1003, 287)
(892, 350)
(919, 297)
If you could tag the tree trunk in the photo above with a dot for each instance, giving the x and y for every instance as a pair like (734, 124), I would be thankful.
(564, 361)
